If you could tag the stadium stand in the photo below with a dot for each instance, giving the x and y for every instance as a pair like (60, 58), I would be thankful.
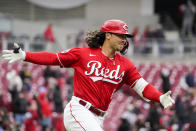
(120, 102)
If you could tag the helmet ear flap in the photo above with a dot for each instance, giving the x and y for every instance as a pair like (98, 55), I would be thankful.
(125, 49)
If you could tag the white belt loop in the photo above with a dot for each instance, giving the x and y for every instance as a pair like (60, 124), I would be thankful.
(88, 105)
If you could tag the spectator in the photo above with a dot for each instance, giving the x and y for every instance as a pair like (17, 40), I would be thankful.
(52, 83)
(46, 111)
(125, 125)
(58, 100)
(2, 102)
(1, 43)
(25, 75)
(192, 126)
(25, 72)
(80, 39)
(32, 115)
(194, 27)
(159, 37)
(15, 86)
(27, 85)
(14, 81)
(69, 85)
(29, 122)
(147, 37)
(50, 72)
(14, 97)
(137, 36)
(147, 34)
(137, 40)
(159, 34)
(173, 125)
(182, 110)
(59, 124)
(4, 120)
(22, 104)
(38, 106)
(188, 81)
(165, 76)
(188, 12)
(140, 124)
(130, 114)
(189, 78)
(154, 116)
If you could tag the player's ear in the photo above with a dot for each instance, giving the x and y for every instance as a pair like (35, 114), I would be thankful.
(107, 35)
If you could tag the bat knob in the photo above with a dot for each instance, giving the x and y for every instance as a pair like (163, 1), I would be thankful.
(16, 48)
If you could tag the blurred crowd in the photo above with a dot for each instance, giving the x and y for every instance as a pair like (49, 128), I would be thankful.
(141, 116)
(42, 108)
(33, 109)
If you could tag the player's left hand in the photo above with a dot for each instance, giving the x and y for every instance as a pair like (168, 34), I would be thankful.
(166, 100)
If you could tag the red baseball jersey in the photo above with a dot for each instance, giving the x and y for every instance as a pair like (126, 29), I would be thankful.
(97, 76)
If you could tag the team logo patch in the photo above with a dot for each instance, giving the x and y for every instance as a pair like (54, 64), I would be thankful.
(125, 27)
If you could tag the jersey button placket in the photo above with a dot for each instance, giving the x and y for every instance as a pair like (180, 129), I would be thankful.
(103, 83)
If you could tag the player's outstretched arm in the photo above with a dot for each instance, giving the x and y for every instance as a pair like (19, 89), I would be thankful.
(14, 55)
(149, 92)
(42, 58)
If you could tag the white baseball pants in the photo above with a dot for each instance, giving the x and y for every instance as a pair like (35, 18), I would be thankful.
(79, 118)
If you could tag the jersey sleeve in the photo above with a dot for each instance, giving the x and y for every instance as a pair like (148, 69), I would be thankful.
(132, 75)
(69, 58)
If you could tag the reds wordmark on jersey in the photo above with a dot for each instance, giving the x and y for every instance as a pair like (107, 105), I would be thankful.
(96, 76)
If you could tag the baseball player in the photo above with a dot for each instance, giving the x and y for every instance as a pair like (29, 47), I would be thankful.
(100, 71)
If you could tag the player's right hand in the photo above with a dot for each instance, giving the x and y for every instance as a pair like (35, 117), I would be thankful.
(14, 55)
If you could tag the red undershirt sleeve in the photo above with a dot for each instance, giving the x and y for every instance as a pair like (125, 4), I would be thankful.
(151, 93)
(42, 58)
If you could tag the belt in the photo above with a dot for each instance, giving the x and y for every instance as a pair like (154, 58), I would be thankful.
(92, 109)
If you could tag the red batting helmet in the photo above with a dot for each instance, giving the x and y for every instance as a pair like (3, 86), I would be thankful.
(116, 26)
(119, 27)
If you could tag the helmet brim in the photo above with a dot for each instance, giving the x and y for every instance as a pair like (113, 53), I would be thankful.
(129, 35)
